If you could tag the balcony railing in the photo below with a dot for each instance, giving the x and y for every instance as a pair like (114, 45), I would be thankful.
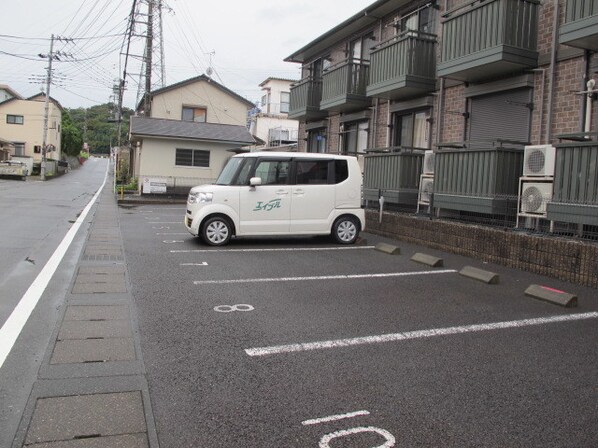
(343, 86)
(575, 192)
(403, 66)
(305, 100)
(393, 173)
(482, 178)
(486, 39)
(581, 24)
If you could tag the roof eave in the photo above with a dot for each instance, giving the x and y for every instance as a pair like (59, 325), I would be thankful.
(362, 19)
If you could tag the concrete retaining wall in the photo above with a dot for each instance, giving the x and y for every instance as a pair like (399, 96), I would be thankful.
(558, 257)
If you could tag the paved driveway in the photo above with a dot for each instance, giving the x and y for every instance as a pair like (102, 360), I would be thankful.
(301, 342)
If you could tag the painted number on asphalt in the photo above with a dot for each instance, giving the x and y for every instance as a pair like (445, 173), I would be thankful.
(231, 308)
(389, 439)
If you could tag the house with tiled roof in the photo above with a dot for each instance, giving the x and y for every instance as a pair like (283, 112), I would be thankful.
(192, 129)
(22, 124)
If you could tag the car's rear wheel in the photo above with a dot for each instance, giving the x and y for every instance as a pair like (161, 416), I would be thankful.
(345, 230)
(216, 231)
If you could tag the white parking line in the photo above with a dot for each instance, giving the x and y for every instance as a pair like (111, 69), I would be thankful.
(419, 334)
(164, 222)
(334, 418)
(203, 263)
(284, 249)
(323, 277)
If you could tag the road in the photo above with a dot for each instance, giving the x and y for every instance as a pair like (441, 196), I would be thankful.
(293, 342)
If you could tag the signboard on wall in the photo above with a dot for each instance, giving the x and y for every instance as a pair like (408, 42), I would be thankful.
(153, 185)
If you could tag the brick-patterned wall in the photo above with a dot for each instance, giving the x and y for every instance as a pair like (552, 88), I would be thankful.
(453, 128)
(569, 260)
(333, 133)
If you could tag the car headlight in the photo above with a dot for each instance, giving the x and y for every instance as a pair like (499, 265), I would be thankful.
(199, 197)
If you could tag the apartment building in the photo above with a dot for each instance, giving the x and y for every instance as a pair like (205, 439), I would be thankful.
(270, 122)
(473, 81)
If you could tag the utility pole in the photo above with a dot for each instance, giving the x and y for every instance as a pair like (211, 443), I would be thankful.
(47, 110)
(147, 101)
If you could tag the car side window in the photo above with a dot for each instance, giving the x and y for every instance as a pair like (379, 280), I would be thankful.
(341, 171)
(312, 172)
(273, 172)
(244, 173)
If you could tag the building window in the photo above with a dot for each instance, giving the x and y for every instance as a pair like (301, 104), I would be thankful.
(265, 100)
(354, 137)
(195, 114)
(411, 129)
(285, 100)
(316, 140)
(421, 20)
(19, 148)
(192, 157)
(15, 119)
(360, 49)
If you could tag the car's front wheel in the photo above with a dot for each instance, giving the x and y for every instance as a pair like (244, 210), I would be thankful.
(345, 230)
(216, 231)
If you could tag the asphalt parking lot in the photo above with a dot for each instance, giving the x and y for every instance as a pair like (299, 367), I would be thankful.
(301, 342)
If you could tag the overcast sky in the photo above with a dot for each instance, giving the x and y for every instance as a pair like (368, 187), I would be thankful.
(248, 41)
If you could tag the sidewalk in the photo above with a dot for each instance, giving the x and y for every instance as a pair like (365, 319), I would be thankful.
(91, 389)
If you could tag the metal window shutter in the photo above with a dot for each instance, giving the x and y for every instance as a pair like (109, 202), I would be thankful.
(503, 115)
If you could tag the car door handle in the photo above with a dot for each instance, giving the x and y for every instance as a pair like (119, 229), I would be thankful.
(282, 192)
(298, 192)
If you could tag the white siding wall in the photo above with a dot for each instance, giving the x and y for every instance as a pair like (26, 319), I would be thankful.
(222, 108)
(158, 159)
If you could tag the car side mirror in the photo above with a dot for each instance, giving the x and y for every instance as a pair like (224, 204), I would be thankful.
(254, 181)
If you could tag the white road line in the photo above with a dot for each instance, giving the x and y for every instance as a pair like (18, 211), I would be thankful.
(323, 277)
(13, 326)
(173, 233)
(194, 264)
(284, 249)
(334, 418)
(171, 222)
(419, 334)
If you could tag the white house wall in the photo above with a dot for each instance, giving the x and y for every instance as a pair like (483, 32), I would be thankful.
(221, 107)
(158, 159)
(31, 132)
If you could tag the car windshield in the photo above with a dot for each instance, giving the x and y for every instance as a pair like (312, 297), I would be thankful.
(229, 171)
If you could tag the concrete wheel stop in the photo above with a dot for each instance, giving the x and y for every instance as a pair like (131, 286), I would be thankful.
(388, 249)
(552, 295)
(429, 260)
(479, 274)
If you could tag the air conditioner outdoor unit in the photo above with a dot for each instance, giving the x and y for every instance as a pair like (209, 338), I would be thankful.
(428, 162)
(534, 197)
(426, 188)
(538, 160)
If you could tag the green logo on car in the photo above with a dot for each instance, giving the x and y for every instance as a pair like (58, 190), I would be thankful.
(267, 206)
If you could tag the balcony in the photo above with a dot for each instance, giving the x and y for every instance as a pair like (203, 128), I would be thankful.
(581, 25)
(343, 87)
(403, 67)
(482, 177)
(575, 192)
(305, 100)
(488, 39)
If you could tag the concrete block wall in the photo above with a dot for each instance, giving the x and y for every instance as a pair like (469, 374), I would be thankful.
(561, 258)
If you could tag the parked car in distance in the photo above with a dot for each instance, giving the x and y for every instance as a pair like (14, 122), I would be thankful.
(270, 193)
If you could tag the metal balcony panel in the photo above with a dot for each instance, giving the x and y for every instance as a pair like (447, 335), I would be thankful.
(393, 175)
(343, 87)
(305, 100)
(581, 25)
(403, 67)
(480, 181)
(575, 197)
(490, 39)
